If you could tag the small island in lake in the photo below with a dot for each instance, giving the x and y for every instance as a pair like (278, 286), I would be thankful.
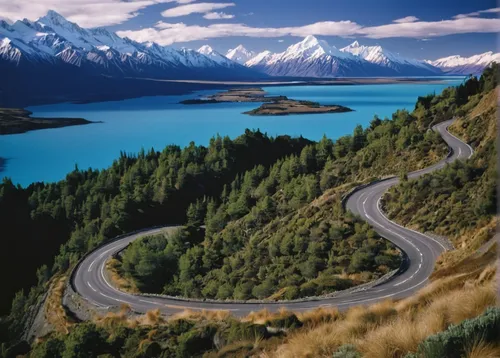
(286, 107)
(272, 105)
(16, 120)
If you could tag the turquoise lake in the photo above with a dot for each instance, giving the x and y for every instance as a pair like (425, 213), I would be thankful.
(129, 125)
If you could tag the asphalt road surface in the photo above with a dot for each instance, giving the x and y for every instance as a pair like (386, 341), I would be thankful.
(91, 281)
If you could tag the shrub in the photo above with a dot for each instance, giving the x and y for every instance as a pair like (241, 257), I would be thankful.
(457, 338)
(195, 342)
(289, 321)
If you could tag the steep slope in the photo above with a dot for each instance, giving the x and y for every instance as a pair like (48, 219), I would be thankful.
(458, 65)
(259, 61)
(54, 40)
(380, 56)
(315, 58)
(215, 56)
(240, 55)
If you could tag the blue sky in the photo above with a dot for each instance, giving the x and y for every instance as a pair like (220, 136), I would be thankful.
(427, 28)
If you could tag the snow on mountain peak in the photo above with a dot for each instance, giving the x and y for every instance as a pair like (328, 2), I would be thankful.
(206, 50)
(312, 48)
(240, 54)
(466, 65)
(309, 41)
(215, 56)
(54, 18)
(378, 55)
(260, 59)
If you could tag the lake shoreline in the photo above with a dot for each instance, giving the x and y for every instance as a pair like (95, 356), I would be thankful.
(191, 87)
(19, 121)
(157, 121)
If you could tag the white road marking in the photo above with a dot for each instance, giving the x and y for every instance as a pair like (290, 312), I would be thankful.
(93, 289)
(382, 297)
(470, 148)
(112, 298)
(405, 228)
(106, 281)
(92, 264)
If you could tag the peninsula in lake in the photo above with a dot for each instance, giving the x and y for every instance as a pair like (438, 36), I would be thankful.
(16, 120)
(271, 105)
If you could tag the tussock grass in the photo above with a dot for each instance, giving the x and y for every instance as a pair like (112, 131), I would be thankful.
(319, 316)
(125, 318)
(55, 312)
(392, 329)
(483, 350)
(203, 315)
(119, 281)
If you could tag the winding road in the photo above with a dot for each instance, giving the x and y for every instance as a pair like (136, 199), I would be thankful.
(90, 279)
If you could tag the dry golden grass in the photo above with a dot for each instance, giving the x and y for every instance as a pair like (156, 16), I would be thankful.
(55, 313)
(278, 295)
(319, 316)
(124, 318)
(203, 315)
(260, 317)
(120, 282)
(392, 329)
(113, 320)
(483, 350)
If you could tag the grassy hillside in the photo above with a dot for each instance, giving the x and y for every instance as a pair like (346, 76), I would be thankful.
(459, 201)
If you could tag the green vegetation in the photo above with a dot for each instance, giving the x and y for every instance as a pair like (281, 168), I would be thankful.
(178, 338)
(462, 196)
(265, 235)
(274, 228)
(49, 226)
(458, 339)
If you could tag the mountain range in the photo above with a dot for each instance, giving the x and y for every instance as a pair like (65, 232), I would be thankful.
(54, 41)
(458, 65)
(34, 53)
(315, 58)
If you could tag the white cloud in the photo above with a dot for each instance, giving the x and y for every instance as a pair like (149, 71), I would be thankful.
(281, 41)
(406, 19)
(166, 25)
(167, 34)
(218, 16)
(478, 13)
(198, 8)
(87, 13)
(427, 29)
(173, 33)
(181, 1)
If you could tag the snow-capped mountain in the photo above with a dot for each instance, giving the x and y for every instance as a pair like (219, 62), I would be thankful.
(380, 56)
(316, 58)
(240, 54)
(458, 65)
(217, 57)
(54, 40)
(260, 60)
